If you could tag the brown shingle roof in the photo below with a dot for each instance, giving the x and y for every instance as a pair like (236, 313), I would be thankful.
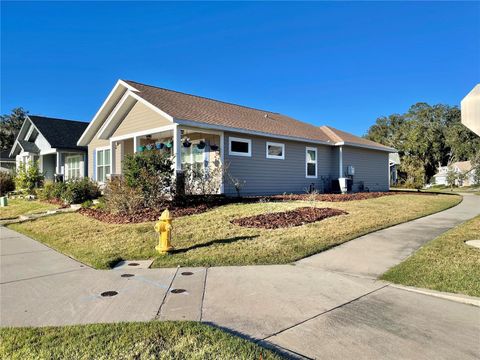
(214, 112)
(342, 136)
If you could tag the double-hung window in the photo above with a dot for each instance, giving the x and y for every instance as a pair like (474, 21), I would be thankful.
(311, 162)
(275, 150)
(239, 146)
(103, 164)
(73, 167)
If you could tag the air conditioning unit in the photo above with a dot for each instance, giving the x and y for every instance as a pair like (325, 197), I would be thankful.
(350, 170)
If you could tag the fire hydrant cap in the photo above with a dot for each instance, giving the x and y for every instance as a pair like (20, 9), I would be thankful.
(165, 215)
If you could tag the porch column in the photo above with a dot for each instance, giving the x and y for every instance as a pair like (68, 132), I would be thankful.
(135, 144)
(59, 163)
(340, 161)
(177, 139)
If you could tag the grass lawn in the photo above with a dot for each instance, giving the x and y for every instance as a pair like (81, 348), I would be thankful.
(150, 340)
(445, 263)
(17, 207)
(210, 239)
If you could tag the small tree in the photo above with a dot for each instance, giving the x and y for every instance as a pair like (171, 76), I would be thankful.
(7, 183)
(29, 177)
(452, 177)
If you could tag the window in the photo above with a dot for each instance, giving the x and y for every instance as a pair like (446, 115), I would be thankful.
(73, 167)
(194, 156)
(240, 147)
(275, 150)
(311, 162)
(103, 164)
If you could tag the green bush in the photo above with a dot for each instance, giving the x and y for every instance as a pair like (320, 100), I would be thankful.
(87, 204)
(71, 192)
(151, 172)
(120, 198)
(7, 183)
(29, 177)
(79, 191)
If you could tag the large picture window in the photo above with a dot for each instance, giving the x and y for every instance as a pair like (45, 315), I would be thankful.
(103, 164)
(311, 162)
(275, 150)
(73, 167)
(239, 146)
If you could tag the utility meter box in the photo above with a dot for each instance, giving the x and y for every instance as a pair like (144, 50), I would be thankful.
(350, 170)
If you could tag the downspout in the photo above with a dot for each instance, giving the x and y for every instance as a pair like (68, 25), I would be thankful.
(340, 162)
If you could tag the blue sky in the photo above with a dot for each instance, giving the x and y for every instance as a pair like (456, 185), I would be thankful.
(342, 64)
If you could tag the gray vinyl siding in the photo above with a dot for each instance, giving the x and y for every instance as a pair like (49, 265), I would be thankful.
(371, 168)
(264, 176)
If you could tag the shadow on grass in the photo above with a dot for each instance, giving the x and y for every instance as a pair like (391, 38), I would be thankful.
(213, 242)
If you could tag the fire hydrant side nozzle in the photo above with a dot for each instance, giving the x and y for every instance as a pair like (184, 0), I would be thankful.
(164, 228)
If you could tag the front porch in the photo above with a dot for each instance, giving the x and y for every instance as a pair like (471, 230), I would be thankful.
(191, 149)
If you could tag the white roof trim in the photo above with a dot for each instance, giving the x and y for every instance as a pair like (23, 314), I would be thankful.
(372, 147)
(87, 134)
(110, 118)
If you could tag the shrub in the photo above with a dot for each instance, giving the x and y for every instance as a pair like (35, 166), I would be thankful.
(79, 191)
(53, 190)
(87, 204)
(29, 177)
(119, 198)
(7, 183)
(201, 181)
(151, 172)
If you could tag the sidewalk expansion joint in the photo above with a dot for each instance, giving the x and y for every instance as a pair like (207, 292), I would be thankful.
(324, 312)
(203, 294)
(42, 276)
(26, 252)
(157, 316)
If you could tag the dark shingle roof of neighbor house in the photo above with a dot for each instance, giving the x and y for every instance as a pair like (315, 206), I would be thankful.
(28, 146)
(60, 133)
(214, 112)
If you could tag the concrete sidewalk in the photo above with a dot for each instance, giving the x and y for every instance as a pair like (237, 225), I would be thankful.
(320, 307)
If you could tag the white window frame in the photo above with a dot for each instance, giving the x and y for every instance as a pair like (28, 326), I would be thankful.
(307, 149)
(235, 153)
(68, 169)
(97, 150)
(269, 143)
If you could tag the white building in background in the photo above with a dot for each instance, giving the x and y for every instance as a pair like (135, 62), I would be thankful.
(459, 167)
(470, 106)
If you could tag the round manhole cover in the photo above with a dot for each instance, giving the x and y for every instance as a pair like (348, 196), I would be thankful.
(133, 264)
(178, 291)
(474, 243)
(127, 275)
(187, 273)
(109, 293)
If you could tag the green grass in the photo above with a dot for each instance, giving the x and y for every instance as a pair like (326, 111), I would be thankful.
(17, 207)
(151, 340)
(445, 263)
(209, 239)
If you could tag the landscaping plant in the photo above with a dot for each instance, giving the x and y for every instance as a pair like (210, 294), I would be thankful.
(71, 192)
(29, 177)
(7, 183)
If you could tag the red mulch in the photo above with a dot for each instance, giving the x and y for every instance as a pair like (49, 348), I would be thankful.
(330, 197)
(297, 217)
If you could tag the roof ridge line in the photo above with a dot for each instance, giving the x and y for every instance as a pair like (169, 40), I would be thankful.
(206, 98)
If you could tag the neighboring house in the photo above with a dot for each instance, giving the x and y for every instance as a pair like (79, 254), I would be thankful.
(394, 162)
(470, 106)
(7, 163)
(465, 167)
(270, 152)
(53, 143)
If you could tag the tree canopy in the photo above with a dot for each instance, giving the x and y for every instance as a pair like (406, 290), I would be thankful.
(10, 125)
(426, 136)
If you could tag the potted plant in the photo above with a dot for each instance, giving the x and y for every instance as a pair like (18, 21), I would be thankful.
(140, 148)
(159, 145)
(169, 144)
(187, 143)
(150, 147)
(214, 147)
(201, 145)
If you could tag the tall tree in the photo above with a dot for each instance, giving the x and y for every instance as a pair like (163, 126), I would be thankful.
(10, 126)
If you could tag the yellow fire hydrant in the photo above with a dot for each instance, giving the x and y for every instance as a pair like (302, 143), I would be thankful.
(164, 228)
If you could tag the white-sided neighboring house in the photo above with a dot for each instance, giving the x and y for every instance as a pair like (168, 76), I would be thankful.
(53, 143)
(269, 152)
(7, 163)
(459, 167)
(394, 163)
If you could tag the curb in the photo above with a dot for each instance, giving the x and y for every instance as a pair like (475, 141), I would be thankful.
(462, 299)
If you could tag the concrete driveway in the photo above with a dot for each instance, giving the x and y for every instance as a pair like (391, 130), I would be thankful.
(328, 306)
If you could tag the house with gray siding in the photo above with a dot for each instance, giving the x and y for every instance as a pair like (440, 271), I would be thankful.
(265, 151)
(53, 144)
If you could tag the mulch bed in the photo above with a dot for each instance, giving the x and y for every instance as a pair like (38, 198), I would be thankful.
(297, 217)
(329, 197)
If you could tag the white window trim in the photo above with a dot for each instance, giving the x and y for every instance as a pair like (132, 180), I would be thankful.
(282, 157)
(67, 167)
(307, 149)
(96, 162)
(235, 153)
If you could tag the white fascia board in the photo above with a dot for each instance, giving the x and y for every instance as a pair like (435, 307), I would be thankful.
(18, 135)
(249, 132)
(143, 133)
(15, 144)
(371, 147)
(90, 132)
(109, 122)
(49, 151)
